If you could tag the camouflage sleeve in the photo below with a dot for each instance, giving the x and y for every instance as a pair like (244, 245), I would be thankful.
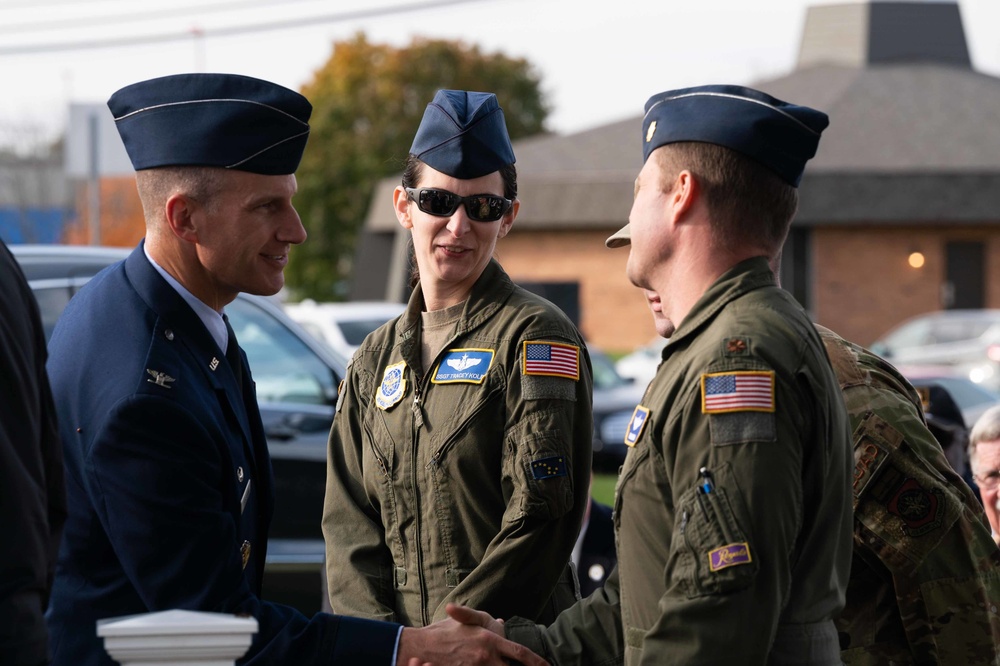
(927, 535)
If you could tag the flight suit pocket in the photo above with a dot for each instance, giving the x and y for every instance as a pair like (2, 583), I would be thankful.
(547, 469)
(903, 506)
(714, 555)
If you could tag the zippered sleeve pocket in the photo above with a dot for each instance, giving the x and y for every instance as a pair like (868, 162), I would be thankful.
(714, 554)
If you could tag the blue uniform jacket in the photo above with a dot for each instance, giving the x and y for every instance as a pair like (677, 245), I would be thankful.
(169, 482)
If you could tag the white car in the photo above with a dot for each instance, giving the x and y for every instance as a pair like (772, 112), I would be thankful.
(968, 341)
(640, 366)
(343, 326)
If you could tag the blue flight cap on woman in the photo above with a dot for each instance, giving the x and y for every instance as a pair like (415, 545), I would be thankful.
(217, 120)
(463, 134)
(779, 135)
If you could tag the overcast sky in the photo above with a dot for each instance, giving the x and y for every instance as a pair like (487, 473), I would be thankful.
(599, 59)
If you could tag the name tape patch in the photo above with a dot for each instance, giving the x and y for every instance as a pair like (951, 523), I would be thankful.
(463, 366)
(739, 391)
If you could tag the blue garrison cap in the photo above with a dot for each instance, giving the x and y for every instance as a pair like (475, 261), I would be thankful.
(217, 120)
(779, 135)
(463, 134)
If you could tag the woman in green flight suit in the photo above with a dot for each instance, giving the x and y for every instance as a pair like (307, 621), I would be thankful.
(459, 457)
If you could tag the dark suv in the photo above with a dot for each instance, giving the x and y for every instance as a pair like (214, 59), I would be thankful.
(297, 379)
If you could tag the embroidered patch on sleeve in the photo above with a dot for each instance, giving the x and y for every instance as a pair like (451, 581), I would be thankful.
(552, 359)
(636, 425)
(729, 556)
(738, 391)
(463, 366)
(548, 468)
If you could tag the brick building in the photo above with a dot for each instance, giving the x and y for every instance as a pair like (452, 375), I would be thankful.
(908, 171)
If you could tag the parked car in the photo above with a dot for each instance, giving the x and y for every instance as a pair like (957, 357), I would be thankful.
(297, 379)
(615, 398)
(967, 340)
(641, 364)
(343, 326)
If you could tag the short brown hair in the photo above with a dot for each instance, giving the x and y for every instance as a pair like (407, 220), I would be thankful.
(157, 185)
(750, 205)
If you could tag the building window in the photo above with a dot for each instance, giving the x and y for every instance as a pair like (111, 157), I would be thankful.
(797, 266)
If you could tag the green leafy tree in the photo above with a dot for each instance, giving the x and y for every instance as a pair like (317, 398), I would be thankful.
(368, 100)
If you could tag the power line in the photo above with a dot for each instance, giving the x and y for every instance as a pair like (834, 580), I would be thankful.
(172, 12)
(106, 43)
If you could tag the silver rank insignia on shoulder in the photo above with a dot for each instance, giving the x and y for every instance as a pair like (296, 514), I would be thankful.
(160, 378)
(214, 364)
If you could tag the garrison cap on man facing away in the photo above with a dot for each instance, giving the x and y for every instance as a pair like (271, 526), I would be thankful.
(779, 135)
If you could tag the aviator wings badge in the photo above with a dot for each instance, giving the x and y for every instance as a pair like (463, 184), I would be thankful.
(160, 378)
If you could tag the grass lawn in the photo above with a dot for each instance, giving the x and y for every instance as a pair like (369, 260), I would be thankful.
(602, 488)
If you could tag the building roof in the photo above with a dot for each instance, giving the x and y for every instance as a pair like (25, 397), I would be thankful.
(911, 137)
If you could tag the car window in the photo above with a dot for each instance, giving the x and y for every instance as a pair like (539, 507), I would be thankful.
(913, 334)
(955, 330)
(356, 331)
(52, 296)
(284, 368)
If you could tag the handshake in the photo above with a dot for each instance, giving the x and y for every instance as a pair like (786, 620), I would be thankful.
(467, 638)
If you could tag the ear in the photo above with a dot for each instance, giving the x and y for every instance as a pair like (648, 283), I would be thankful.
(507, 221)
(684, 194)
(401, 203)
(180, 212)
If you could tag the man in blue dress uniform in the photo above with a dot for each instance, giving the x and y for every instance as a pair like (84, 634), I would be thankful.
(169, 479)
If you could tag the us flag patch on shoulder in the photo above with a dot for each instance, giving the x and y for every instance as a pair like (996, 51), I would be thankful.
(739, 391)
(551, 359)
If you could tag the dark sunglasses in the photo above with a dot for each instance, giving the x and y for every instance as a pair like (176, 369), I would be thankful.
(442, 203)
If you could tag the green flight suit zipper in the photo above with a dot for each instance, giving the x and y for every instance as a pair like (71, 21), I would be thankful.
(418, 422)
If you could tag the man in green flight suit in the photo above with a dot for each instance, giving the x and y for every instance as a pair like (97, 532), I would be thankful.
(732, 511)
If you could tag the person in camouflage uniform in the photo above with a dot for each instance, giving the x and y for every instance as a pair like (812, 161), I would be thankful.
(925, 578)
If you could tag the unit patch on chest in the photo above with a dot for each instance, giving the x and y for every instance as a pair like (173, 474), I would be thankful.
(463, 366)
(393, 386)
(636, 425)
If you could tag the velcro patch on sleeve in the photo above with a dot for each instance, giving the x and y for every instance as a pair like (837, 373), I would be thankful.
(540, 387)
(551, 359)
(548, 468)
(729, 556)
(737, 391)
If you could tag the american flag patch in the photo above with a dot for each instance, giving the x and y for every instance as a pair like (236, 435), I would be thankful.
(551, 359)
(745, 391)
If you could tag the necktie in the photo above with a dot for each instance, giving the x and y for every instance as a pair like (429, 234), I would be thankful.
(233, 354)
